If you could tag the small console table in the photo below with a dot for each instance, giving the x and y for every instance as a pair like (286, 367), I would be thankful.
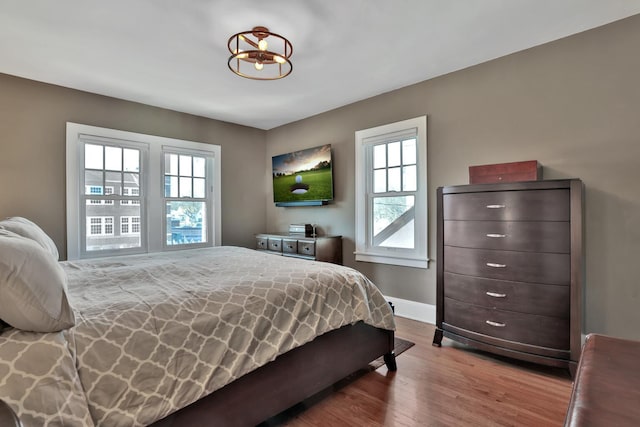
(319, 248)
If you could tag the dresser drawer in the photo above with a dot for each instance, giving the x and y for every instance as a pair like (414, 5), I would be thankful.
(529, 267)
(306, 247)
(544, 331)
(289, 246)
(529, 236)
(524, 205)
(275, 244)
(262, 243)
(319, 248)
(546, 300)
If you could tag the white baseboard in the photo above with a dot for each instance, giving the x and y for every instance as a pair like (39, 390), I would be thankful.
(414, 310)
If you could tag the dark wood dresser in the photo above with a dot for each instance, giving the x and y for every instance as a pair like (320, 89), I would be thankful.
(510, 267)
(320, 248)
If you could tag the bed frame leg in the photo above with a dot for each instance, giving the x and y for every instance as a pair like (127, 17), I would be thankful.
(390, 361)
(437, 337)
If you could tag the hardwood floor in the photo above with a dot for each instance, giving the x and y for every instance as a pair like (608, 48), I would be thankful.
(448, 386)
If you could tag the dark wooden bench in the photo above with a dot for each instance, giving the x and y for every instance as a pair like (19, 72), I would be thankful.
(606, 390)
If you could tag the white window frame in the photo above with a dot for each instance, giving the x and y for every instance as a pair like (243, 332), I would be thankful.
(131, 192)
(129, 224)
(103, 225)
(108, 190)
(364, 141)
(207, 200)
(153, 233)
(108, 197)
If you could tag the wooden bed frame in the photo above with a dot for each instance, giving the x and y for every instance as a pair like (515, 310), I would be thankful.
(8, 417)
(289, 379)
(279, 385)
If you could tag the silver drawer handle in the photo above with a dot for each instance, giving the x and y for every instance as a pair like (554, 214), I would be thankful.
(494, 265)
(495, 294)
(496, 206)
(497, 324)
(499, 236)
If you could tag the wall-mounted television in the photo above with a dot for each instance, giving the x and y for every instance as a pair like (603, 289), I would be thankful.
(303, 178)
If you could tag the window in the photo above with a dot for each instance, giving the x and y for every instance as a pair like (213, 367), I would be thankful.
(97, 190)
(185, 198)
(106, 169)
(107, 192)
(391, 194)
(130, 191)
(99, 226)
(129, 225)
(117, 199)
(93, 189)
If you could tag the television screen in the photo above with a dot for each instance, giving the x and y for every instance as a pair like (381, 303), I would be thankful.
(303, 177)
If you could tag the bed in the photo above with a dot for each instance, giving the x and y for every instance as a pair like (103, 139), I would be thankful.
(212, 336)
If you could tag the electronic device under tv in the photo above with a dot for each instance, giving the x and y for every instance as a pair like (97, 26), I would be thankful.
(303, 178)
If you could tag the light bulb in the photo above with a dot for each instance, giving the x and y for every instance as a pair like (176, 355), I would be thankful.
(240, 54)
(262, 44)
(259, 65)
(279, 59)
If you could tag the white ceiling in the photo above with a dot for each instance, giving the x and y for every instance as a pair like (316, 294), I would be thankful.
(173, 54)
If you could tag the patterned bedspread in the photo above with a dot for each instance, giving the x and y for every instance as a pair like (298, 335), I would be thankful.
(157, 332)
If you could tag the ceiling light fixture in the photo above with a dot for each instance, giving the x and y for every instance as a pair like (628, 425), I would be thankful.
(260, 54)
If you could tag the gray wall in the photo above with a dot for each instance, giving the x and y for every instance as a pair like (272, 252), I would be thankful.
(573, 105)
(33, 120)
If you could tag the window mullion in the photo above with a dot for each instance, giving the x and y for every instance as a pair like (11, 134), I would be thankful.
(192, 177)
(122, 172)
(401, 166)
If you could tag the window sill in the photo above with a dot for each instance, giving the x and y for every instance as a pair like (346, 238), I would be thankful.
(391, 260)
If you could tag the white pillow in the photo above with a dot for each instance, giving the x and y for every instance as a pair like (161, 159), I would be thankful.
(26, 228)
(32, 286)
